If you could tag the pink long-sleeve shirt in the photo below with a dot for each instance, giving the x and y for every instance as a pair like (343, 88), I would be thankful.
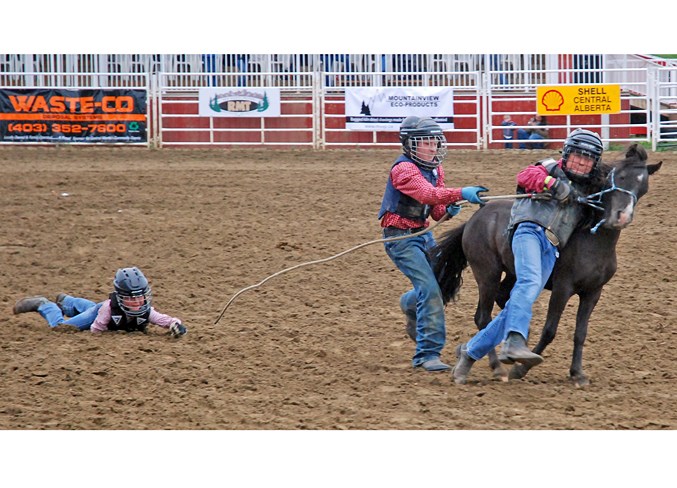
(533, 178)
(103, 318)
(407, 178)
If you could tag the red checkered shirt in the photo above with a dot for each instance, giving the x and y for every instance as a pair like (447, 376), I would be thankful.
(407, 178)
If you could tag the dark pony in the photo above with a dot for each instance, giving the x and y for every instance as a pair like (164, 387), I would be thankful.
(585, 265)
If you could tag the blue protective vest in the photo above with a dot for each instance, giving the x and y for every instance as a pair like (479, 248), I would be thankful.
(403, 205)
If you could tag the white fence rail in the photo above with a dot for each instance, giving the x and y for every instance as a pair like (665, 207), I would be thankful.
(635, 89)
(487, 81)
(665, 107)
(179, 123)
(467, 103)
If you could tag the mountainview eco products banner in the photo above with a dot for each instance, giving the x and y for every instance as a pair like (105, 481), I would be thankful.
(384, 108)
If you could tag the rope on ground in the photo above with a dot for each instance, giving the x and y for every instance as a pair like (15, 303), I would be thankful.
(325, 260)
(360, 246)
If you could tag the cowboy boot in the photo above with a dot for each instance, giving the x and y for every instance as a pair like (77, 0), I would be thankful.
(434, 365)
(515, 350)
(462, 368)
(30, 304)
(59, 300)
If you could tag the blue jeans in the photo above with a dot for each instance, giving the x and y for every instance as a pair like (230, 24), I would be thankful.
(522, 134)
(534, 260)
(82, 312)
(411, 258)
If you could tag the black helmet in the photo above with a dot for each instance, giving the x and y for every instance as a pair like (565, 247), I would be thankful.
(130, 283)
(416, 129)
(585, 143)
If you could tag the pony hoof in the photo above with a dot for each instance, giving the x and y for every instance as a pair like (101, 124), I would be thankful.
(518, 371)
(500, 374)
(579, 381)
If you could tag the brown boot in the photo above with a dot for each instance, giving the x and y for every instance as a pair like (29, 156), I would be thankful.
(462, 368)
(29, 304)
(515, 350)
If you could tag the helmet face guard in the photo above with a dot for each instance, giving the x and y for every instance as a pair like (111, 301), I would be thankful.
(586, 143)
(423, 141)
(133, 291)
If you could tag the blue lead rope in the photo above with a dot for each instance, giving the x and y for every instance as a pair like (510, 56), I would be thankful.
(595, 200)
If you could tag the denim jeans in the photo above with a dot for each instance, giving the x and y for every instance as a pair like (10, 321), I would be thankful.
(82, 312)
(534, 260)
(524, 135)
(411, 258)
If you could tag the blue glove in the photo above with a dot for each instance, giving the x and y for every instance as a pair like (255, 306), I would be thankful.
(177, 329)
(470, 193)
(453, 210)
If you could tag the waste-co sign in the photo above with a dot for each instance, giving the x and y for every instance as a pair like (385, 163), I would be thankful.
(578, 99)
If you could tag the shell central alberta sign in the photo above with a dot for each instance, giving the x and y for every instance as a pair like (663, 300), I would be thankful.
(578, 99)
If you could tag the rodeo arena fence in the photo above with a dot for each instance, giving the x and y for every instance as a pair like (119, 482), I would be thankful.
(330, 101)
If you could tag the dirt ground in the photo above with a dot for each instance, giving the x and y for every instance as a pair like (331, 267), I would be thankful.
(322, 347)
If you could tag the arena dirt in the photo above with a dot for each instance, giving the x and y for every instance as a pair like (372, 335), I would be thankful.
(321, 347)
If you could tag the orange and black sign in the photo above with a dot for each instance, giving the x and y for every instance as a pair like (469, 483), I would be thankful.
(84, 116)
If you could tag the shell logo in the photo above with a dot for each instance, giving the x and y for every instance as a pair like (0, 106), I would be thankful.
(552, 100)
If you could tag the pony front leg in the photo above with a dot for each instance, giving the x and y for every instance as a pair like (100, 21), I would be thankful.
(587, 303)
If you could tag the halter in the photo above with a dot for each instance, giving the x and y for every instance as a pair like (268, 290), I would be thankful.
(595, 200)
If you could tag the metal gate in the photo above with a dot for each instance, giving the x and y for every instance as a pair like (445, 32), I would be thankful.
(665, 108)
(179, 123)
(467, 132)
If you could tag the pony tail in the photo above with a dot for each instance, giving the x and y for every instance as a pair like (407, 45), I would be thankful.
(449, 261)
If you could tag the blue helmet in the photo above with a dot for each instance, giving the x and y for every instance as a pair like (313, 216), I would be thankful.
(130, 284)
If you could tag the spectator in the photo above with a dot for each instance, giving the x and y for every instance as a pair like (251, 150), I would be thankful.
(508, 131)
(537, 133)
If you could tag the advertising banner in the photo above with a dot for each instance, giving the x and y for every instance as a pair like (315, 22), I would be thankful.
(239, 102)
(81, 115)
(384, 108)
(578, 99)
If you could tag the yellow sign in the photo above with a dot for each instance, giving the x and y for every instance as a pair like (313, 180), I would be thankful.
(578, 99)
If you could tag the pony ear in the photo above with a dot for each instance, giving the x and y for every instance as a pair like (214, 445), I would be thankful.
(652, 168)
(636, 151)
